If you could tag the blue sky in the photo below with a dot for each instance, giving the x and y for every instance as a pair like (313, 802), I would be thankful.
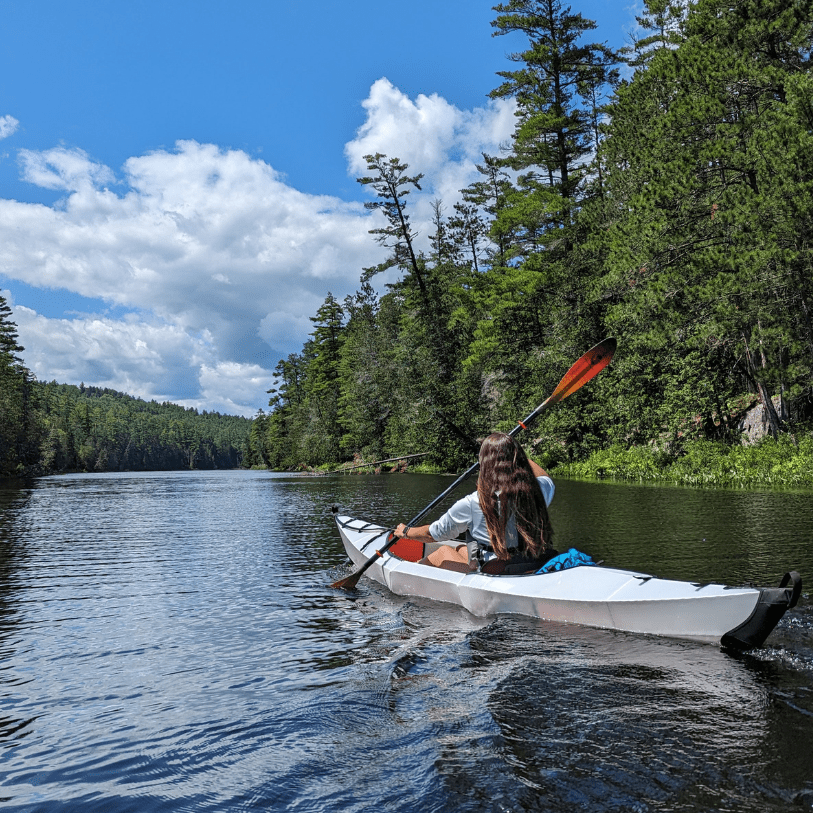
(177, 190)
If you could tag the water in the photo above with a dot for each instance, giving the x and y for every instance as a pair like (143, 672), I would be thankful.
(168, 642)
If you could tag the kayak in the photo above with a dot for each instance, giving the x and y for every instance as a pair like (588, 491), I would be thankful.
(589, 595)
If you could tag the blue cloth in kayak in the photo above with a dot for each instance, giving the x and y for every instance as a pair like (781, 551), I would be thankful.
(571, 558)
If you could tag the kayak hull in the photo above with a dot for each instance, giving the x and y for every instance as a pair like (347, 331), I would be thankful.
(593, 596)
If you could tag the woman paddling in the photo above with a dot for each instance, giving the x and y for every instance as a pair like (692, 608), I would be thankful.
(505, 521)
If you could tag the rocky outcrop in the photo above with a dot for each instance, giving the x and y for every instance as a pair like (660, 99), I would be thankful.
(755, 425)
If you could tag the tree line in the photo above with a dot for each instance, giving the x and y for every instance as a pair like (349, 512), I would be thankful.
(670, 208)
(49, 428)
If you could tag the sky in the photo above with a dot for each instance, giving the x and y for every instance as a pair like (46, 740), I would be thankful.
(177, 178)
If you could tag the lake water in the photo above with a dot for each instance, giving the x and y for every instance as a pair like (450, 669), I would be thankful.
(169, 642)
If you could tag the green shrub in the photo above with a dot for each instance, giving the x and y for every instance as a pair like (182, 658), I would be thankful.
(704, 462)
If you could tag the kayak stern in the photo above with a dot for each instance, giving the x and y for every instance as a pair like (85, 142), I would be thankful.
(771, 606)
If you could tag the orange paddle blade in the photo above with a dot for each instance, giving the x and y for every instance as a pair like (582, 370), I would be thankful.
(589, 365)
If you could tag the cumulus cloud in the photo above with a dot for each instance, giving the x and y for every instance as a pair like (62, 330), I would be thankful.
(222, 261)
(229, 387)
(433, 136)
(204, 238)
(149, 360)
(8, 126)
(60, 168)
(225, 261)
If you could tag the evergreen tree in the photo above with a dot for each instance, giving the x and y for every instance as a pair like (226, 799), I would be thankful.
(367, 377)
(9, 344)
(664, 20)
(710, 257)
(20, 429)
(322, 434)
(677, 216)
(556, 93)
(392, 186)
(287, 403)
(490, 195)
(536, 300)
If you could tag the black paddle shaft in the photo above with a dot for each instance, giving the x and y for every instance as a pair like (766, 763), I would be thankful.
(393, 539)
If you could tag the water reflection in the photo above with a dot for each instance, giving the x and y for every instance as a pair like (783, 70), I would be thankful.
(704, 535)
(169, 641)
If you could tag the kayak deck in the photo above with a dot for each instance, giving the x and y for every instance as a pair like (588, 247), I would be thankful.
(594, 596)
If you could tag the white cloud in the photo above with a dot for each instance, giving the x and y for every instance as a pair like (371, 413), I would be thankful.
(434, 137)
(275, 326)
(429, 132)
(203, 241)
(8, 126)
(229, 387)
(223, 261)
(420, 132)
(148, 360)
(203, 238)
(60, 168)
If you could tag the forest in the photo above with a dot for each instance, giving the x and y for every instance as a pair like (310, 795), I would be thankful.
(660, 195)
(48, 428)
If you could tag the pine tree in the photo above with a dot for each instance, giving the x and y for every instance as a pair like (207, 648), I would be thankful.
(20, 429)
(322, 436)
(712, 149)
(367, 377)
(556, 89)
(490, 195)
(534, 298)
(664, 20)
(392, 186)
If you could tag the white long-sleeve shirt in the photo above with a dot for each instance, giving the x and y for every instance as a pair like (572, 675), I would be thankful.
(466, 515)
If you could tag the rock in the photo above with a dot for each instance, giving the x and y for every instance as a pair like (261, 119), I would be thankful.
(755, 425)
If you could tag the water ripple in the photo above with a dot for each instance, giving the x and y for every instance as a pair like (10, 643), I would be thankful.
(169, 642)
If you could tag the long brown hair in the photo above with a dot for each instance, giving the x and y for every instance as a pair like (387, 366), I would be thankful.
(507, 486)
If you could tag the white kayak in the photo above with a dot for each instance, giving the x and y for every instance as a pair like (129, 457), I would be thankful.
(594, 596)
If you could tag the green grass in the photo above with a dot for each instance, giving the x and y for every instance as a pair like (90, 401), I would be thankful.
(702, 462)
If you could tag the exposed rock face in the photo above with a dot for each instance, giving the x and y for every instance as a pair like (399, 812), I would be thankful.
(755, 425)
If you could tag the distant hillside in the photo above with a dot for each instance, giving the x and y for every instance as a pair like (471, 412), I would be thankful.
(51, 428)
(99, 429)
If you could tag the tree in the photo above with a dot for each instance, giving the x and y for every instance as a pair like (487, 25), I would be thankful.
(676, 215)
(556, 91)
(468, 231)
(665, 21)
(710, 253)
(286, 402)
(433, 276)
(490, 194)
(392, 185)
(20, 430)
(368, 375)
(9, 345)
(535, 297)
(321, 437)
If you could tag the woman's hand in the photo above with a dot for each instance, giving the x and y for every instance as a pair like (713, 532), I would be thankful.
(419, 532)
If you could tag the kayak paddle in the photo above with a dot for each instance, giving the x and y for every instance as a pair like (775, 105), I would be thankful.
(589, 365)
